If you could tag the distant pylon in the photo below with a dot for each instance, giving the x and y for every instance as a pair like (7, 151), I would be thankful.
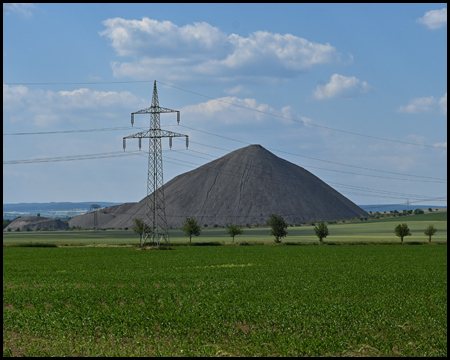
(156, 215)
(95, 207)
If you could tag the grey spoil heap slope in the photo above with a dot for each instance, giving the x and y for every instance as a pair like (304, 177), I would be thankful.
(36, 222)
(242, 187)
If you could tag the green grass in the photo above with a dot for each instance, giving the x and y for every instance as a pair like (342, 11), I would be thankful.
(225, 300)
(364, 231)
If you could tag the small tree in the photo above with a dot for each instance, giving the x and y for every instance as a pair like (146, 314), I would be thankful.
(191, 227)
(321, 231)
(140, 227)
(278, 226)
(430, 231)
(402, 230)
(430, 209)
(234, 230)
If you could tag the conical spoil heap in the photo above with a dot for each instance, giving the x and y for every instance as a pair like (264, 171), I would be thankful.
(244, 187)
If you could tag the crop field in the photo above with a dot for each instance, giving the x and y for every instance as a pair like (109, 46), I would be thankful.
(225, 301)
(365, 231)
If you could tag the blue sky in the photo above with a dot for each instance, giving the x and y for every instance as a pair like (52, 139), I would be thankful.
(356, 94)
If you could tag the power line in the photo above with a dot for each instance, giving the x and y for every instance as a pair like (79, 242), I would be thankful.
(78, 83)
(378, 193)
(314, 167)
(225, 102)
(120, 154)
(68, 158)
(299, 121)
(71, 131)
(221, 136)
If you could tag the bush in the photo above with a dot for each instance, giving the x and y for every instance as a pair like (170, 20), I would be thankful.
(418, 211)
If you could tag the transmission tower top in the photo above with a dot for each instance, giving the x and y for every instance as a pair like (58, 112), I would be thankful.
(155, 108)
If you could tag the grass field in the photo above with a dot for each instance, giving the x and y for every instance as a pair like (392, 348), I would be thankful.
(365, 231)
(226, 300)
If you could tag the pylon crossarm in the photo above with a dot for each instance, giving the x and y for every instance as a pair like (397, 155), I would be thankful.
(155, 110)
(151, 134)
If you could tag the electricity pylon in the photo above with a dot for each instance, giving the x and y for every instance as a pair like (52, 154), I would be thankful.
(156, 215)
(95, 207)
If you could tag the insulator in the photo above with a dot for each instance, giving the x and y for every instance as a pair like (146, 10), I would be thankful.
(140, 143)
(170, 142)
(178, 117)
(187, 142)
(124, 144)
(132, 119)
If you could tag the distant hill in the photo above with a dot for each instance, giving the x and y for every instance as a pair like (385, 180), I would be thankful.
(52, 209)
(398, 207)
(36, 223)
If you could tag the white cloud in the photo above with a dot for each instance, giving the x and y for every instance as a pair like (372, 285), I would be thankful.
(162, 49)
(425, 104)
(442, 145)
(434, 19)
(47, 107)
(23, 9)
(222, 111)
(443, 104)
(236, 90)
(142, 38)
(422, 104)
(289, 113)
(341, 87)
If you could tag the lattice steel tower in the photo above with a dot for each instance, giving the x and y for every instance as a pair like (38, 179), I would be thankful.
(156, 215)
(95, 207)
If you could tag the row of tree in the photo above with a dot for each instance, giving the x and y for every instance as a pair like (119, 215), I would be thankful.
(278, 226)
(402, 230)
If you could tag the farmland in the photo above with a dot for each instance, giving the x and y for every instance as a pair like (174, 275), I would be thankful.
(366, 231)
(227, 300)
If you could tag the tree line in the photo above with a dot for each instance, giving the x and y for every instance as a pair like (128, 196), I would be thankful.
(277, 224)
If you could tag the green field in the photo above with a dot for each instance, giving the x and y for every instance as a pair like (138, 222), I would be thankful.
(364, 231)
(225, 300)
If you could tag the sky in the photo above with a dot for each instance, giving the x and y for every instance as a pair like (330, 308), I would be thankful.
(354, 93)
